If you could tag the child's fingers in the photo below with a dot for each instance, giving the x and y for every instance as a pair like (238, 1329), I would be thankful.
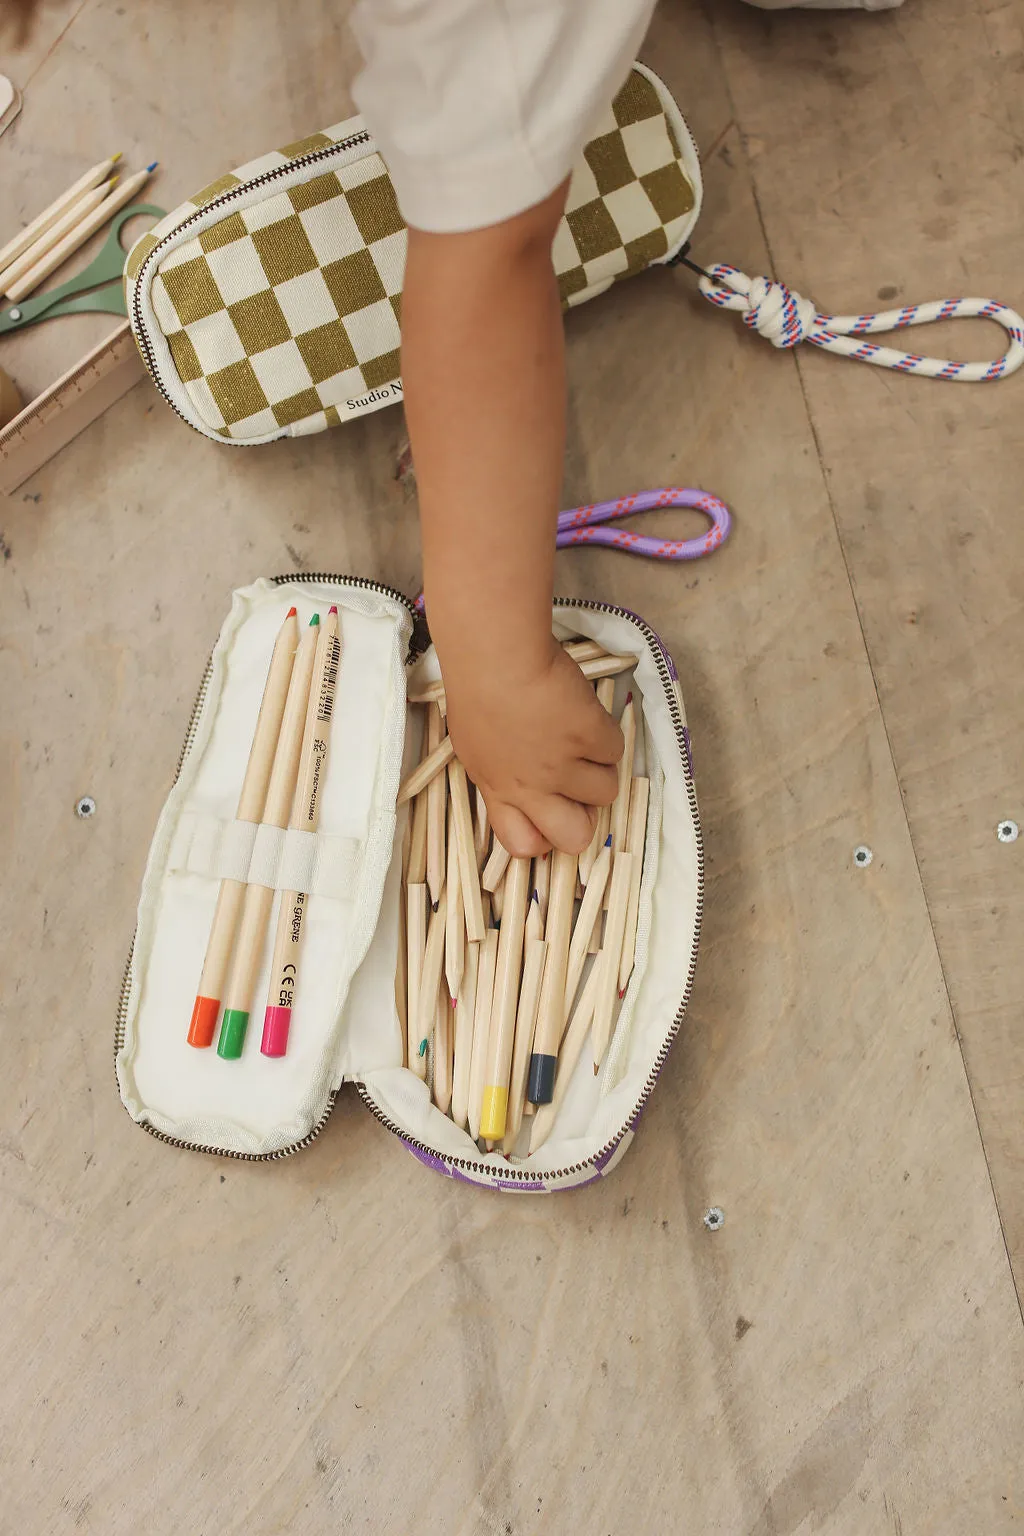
(603, 743)
(515, 831)
(591, 783)
(565, 823)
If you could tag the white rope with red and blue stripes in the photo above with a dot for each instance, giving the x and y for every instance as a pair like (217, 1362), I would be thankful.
(786, 318)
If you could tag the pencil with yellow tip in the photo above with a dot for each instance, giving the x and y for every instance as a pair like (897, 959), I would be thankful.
(56, 210)
(69, 219)
(508, 970)
(259, 899)
(305, 817)
(251, 800)
(77, 236)
(481, 1028)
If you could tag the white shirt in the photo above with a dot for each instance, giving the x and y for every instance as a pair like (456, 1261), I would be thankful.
(480, 108)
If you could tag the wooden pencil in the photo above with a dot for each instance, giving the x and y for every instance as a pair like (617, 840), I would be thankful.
(78, 236)
(251, 800)
(552, 997)
(605, 697)
(494, 869)
(498, 901)
(455, 929)
(305, 817)
(416, 939)
(620, 806)
(572, 1049)
(430, 981)
(587, 919)
(534, 957)
(541, 881)
(636, 837)
(72, 216)
(607, 963)
(436, 793)
(259, 899)
(469, 875)
(424, 773)
(442, 1062)
(416, 873)
(508, 971)
(49, 216)
(465, 1008)
(481, 830)
(481, 1029)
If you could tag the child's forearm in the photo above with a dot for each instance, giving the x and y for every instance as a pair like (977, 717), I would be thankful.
(484, 372)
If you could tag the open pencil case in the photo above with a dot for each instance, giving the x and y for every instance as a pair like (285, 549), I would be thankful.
(345, 1024)
(268, 304)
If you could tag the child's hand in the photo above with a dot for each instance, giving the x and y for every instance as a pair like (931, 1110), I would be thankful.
(537, 742)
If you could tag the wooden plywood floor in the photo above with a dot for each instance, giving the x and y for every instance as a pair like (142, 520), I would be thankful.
(341, 1340)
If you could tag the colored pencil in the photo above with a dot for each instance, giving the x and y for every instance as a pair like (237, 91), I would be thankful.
(76, 237)
(430, 981)
(442, 1062)
(72, 216)
(436, 792)
(455, 931)
(259, 899)
(605, 696)
(607, 963)
(572, 1049)
(416, 939)
(49, 216)
(251, 800)
(550, 1014)
(587, 919)
(305, 817)
(526, 1022)
(481, 830)
(425, 772)
(541, 881)
(636, 837)
(469, 876)
(417, 871)
(465, 1009)
(494, 869)
(620, 806)
(508, 971)
(481, 1029)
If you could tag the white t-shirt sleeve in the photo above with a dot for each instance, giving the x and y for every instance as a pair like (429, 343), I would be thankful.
(480, 108)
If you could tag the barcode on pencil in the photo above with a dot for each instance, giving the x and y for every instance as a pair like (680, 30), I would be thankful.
(329, 681)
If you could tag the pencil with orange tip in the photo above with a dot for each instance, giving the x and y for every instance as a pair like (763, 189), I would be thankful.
(305, 817)
(508, 971)
(77, 236)
(607, 964)
(251, 800)
(49, 216)
(259, 899)
(551, 1009)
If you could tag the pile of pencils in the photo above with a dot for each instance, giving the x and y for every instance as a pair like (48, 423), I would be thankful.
(491, 991)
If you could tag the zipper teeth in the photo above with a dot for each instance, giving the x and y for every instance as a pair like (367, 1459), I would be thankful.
(529, 1175)
(139, 327)
(525, 1175)
(363, 584)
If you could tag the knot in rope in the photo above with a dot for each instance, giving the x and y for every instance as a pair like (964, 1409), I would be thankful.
(772, 309)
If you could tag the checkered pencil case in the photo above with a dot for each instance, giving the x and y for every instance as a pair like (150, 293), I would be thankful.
(269, 304)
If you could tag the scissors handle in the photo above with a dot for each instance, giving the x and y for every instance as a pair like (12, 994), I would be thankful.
(583, 525)
(97, 286)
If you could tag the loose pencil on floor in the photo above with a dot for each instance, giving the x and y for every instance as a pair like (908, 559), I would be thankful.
(251, 800)
(258, 899)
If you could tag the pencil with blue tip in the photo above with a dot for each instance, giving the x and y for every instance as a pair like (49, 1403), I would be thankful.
(305, 817)
(56, 210)
(251, 800)
(259, 899)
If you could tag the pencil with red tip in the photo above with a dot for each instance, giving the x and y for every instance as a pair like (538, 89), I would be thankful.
(259, 899)
(305, 816)
(251, 801)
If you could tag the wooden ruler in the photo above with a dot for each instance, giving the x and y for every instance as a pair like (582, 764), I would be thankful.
(67, 407)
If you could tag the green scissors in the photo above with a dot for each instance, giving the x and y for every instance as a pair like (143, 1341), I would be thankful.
(98, 287)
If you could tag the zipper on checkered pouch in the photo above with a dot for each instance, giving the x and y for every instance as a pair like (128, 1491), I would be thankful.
(315, 157)
(487, 1171)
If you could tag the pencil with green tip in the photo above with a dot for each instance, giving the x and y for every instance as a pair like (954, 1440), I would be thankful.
(305, 817)
(260, 898)
(251, 801)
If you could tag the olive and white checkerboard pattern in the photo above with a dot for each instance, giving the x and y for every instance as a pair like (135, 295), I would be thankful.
(282, 316)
